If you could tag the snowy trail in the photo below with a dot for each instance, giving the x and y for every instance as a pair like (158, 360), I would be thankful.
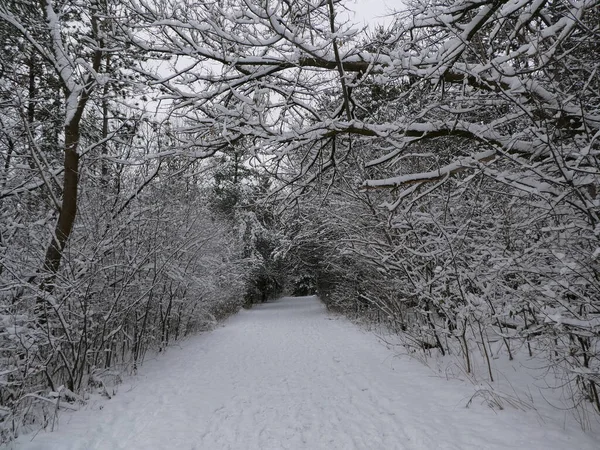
(286, 375)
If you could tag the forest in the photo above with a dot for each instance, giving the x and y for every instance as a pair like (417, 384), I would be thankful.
(167, 162)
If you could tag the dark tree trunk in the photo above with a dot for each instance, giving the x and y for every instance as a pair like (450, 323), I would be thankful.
(104, 163)
(68, 209)
(66, 217)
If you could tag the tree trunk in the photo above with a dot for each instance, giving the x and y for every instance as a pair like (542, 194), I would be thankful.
(104, 151)
(66, 217)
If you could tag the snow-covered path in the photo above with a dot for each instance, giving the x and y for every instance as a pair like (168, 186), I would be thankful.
(286, 375)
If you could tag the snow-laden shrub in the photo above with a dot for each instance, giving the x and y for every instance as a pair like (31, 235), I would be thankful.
(129, 285)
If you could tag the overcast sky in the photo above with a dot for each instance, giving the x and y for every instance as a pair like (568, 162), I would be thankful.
(371, 12)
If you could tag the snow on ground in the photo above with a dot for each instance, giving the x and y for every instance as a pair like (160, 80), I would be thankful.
(287, 375)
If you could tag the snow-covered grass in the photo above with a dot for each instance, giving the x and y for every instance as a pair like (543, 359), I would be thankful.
(529, 383)
(289, 375)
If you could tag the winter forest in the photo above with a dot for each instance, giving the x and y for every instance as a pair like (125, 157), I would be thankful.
(166, 162)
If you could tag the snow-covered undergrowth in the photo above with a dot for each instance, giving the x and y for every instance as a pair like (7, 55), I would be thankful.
(289, 375)
(527, 382)
(129, 287)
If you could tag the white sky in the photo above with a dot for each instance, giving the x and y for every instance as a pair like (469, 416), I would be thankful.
(372, 12)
